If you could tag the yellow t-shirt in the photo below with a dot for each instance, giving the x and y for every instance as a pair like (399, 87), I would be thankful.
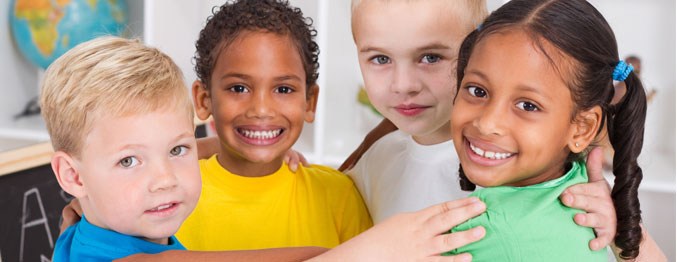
(316, 206)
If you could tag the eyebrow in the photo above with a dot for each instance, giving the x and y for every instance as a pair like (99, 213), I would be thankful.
(432, 46)
(530, 89)
(478, 74)
(183, 135)
(247, 77)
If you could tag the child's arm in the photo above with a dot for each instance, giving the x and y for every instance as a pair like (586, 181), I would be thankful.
(273, 254)
(414, 236)
(382, 129)
(595, 199)
(405, 237)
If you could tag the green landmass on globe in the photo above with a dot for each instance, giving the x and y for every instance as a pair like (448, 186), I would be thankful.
(363, 99)
(45, 29)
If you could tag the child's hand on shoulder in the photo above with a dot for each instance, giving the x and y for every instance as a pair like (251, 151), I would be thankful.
(594, 198)
(293, 158)
(71, 214)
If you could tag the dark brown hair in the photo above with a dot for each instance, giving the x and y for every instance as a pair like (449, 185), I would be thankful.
(235, 17)
(580, 32)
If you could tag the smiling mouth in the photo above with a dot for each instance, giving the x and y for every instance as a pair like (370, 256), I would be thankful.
(164, 210)
(489, 154)
(260, 134)
(162, 207)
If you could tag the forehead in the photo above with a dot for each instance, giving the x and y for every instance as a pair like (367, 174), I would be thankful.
(143, 127)
(514, 52)
(263, 50)
(398, 24)
(514, 59)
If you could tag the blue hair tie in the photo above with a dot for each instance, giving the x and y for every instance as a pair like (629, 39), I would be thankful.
(622, 71)
(479, 27)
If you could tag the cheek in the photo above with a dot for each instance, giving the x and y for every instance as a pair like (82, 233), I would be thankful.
(114, 197)
(378, 95)
(460, 112)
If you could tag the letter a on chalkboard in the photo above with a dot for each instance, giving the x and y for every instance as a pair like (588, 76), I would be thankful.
(42, 220)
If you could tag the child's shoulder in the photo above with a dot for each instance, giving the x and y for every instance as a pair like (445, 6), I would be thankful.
(326, 175)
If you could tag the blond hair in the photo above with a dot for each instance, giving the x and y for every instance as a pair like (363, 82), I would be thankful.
(107, 76)
(472, 12)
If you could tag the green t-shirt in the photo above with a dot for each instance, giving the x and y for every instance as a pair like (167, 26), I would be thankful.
(531, 224)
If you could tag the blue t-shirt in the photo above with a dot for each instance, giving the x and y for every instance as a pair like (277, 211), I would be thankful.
(86, 242)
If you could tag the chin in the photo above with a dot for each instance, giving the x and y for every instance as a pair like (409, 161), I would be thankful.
(484, 180)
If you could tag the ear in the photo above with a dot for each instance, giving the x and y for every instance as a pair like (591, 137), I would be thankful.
(202, 100)
(67, 174)
(584, 129)
(311, 103)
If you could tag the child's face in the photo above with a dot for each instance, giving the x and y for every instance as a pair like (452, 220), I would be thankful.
(259, 101)
(140, 173)
(407, 53)
(512, 119)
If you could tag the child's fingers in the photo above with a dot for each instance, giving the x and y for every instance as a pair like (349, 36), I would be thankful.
(594, 164)
(447, 206)
(605, 231)
(598, 189)
(465, 257)
(70, 214)
(454, 213)
(448, 242)
(303, 160)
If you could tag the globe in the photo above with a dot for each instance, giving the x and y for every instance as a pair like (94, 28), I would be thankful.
(45, 29)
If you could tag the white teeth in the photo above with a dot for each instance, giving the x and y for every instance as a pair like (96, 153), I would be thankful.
(261, 134)
(161, 207)
(489, 154)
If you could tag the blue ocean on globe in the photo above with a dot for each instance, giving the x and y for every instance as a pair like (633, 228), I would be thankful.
(45, 29)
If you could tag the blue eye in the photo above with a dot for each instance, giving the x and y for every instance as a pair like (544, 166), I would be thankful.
(526, 106)
(178, 150)
(128, 162)
(238, 89)
(430, 59)
(476, 91)
(380, 60)
(284, 90)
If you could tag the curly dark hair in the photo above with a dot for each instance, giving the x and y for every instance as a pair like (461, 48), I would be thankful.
(275, 16)
(578, 30)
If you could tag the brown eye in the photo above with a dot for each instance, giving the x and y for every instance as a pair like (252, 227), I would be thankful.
(284, 90)
(476, 91)
(238, 89)
(526, 106)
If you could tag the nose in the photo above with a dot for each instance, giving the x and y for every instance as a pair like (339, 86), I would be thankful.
(405, 80)
(261, 105)
(163, 178)
(491, 120)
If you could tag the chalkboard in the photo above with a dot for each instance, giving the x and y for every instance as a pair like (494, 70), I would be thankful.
(31, 201)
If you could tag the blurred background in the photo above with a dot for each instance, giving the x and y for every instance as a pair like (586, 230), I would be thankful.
(645, 29)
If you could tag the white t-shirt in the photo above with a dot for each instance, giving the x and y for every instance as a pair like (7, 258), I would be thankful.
(397, 175)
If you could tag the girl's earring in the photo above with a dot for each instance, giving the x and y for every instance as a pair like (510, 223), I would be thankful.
(577, 145)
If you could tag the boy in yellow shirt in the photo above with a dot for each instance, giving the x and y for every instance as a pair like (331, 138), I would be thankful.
(258, 82)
